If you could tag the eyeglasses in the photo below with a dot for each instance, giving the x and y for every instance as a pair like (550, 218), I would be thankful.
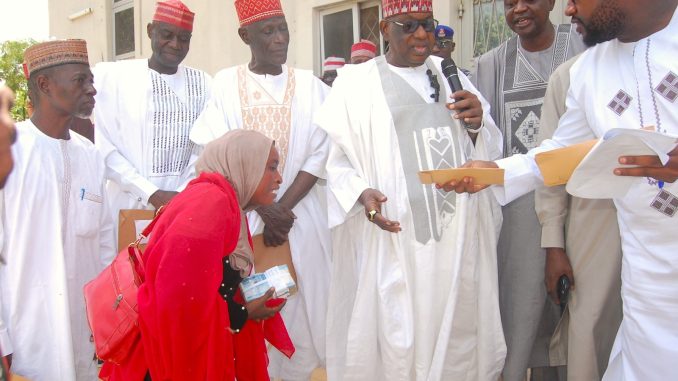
(443, 43)
(411, 26)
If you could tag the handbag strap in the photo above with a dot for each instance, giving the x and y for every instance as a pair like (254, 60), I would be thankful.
(135, 253)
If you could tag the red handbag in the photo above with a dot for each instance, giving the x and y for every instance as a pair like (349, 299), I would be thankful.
(111, 302)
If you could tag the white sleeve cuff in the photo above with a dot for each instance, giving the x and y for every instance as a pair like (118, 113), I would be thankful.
(521, 176)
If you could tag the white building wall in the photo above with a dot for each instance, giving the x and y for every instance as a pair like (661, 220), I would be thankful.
(216, 44)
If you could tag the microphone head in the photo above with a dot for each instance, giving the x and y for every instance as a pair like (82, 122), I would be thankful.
(449, 67)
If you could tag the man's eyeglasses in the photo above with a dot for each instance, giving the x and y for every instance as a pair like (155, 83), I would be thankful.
(442, 44)
(411, 26)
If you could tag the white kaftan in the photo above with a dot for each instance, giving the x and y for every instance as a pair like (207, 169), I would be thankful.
(611, 83)
(58, 236)
(401, 309)
(142, 123)
(304, 314)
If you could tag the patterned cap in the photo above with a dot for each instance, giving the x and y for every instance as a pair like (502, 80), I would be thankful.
(54, 53)
(397, 7)
(174, 12)
(333, 63)
(444, 32)
(251, 11)
(364, 48)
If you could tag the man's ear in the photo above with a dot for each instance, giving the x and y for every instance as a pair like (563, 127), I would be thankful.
(244, 35)
(43, 84)
(552, 5)
(384, 28)
(149, 29)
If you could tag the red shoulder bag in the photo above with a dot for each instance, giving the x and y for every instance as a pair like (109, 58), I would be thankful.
(111, 302)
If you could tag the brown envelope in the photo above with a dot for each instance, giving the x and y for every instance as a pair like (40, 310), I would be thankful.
(486, 176)
(266, 257)
(127, 230)
(557, 166)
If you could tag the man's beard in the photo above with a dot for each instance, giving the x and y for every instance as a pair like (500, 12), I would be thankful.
(605, 24)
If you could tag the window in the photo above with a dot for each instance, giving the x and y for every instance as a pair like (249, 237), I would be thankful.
(342, 26)
(123, 29)
(489, 26)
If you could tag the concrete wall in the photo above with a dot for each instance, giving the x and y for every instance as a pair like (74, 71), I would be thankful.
(216, 44)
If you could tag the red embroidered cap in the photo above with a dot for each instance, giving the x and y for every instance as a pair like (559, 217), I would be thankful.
(174, 12)
(396, 7)
(333, 63)
(251, 11)
(364, 48)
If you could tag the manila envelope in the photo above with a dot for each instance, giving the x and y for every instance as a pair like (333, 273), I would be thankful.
(131, 223)
(484, 176)
(266, 257)
(557, 166)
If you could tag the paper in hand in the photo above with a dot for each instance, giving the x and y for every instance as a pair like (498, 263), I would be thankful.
(594, 177)
(481, 176)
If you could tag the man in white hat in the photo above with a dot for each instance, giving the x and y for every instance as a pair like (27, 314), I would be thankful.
(58, 232)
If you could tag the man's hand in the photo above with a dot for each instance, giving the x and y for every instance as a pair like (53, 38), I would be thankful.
(161, 197)
(557, 265)
(466, 185)
(371, 199)
(650, 166)
(468, 107)
(7, 133)
(257, 309)
(278, 221)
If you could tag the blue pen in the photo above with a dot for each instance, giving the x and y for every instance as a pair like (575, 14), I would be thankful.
(82, 194)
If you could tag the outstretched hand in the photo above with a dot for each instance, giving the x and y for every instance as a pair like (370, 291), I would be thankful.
(650, 166)
(466, 184)
(371, 199)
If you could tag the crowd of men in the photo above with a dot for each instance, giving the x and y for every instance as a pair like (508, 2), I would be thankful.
(397, 281)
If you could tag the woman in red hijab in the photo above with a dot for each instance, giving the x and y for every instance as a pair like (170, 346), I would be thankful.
(194, 322)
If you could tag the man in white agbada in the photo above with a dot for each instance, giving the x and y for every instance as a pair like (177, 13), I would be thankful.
(145, 110)
(57, 230)
(414, 280)
(268, 96)
(629, 80)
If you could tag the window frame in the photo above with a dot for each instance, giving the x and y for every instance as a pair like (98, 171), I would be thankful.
(117, 7)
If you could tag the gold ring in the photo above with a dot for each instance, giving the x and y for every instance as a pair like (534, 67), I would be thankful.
(372, 213)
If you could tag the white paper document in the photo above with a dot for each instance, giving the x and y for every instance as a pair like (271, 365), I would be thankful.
(594, 177)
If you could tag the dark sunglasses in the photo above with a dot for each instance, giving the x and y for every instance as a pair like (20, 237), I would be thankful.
(411, 26)
(443, 43)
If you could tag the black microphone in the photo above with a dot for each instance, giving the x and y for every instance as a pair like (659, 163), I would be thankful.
(452, 74)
